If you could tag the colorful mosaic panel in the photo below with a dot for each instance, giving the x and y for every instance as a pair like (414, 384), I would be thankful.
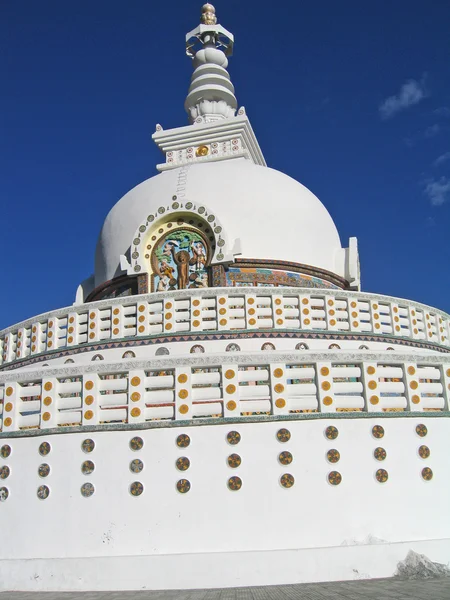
(87, 467)
(183, 486)
(5, 451)
(378, 431)
(136, 466)
(183, 463)
(259, 277)
(380, 453)
(4, 493)
(283, 435)
(183, 440)
(334, 477)
(233, 437)
(44, 470)
(43, 492)
(44, 449)
(235, 483)
(88, 446)
(234, 461)
(287, 480)
(421, 430)
(87, 490)
(4, 472)
(137, 443)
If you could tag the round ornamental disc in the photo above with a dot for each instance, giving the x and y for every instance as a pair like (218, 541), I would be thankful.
(424, 452)
(4, 472)
(234, 461)
(87, 489)
(380, 453)
(235, 483)
(421, 430)
(334, 477)
(382, 475)
(136, 466)
(183, 441)
(5, 451)
(285, 458)
(4, 493)
(283, 435)
(233, 438)
(427, 474)
(136, 443)
(43, 492)
(44, 449)
(331, 432)
(88, 446)
(183, 463)
(183, 486)
(287, 480)
(377, 431)
(44, 470)
(136, 488)
(87, 467)
(333, 456)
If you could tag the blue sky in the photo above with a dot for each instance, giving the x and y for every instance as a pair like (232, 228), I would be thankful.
(351, 98)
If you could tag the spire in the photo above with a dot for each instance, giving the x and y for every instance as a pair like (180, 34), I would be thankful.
(211, 93)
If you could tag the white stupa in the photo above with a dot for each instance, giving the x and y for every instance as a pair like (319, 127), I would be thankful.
(222, 405)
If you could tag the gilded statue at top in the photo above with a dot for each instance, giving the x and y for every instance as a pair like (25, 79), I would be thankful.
(208, 15)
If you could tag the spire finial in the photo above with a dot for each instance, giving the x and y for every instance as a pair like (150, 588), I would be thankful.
(208, 15)
(211, 93)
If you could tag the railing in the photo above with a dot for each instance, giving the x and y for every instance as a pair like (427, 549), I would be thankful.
(224, 386)
(224, 309)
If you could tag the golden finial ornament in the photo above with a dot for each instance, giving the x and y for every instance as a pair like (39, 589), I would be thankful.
(208, 15)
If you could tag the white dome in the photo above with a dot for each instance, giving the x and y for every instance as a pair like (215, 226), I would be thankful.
(274, 216)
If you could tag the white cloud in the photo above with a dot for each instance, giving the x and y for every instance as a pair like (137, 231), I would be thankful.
(432, 130)
(442, 111)
(442, 159)
(438, 191)
(412, 92)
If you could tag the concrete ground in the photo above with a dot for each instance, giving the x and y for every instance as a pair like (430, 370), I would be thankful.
(375, 589)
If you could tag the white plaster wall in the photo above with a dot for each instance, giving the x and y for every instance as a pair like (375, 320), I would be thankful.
(274, 216)
(262, 516)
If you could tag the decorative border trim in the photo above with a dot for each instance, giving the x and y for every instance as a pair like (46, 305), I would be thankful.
(223, 336)
(85, 429)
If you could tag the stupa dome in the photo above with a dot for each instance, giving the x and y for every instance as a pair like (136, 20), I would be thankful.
(264, 213)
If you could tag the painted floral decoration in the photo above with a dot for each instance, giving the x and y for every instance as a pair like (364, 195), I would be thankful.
(43, 492)
(287, 480)
(233, 438)
(44, 449)
(183, 441)
(87, 467)
(234, 461)
(331, 432)
(427, 474)
(421, 430)
(88, 445)
(283, 435)
(183, 486)
(379, 453)
(285, 458)
(382, 475)
(424, 452)
(136, 466)
(136, 488)
(334, 477)
(377, 431)
(4, 472)
(183, 463)
(333, 456)
(4, 493)
(136, 443)
(87, 489)
(235, 483)
(5, 451)
(44, 470)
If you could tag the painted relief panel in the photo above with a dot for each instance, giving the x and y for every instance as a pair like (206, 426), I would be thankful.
(246, 277)
(179, 260)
